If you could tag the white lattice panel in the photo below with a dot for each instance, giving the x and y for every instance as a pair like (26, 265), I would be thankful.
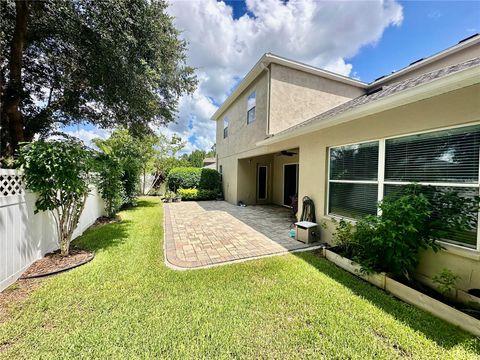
(11, 183)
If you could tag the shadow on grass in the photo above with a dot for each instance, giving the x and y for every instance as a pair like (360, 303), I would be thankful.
(111, 235)
(437, 330)
(104, 236)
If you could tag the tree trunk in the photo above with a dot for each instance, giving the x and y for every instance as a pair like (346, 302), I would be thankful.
(11, 107)
(65, 244)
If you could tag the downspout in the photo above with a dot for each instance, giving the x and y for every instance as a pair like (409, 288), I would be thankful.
(269, 79)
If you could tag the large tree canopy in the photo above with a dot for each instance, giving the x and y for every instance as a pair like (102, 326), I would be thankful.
(109, 62)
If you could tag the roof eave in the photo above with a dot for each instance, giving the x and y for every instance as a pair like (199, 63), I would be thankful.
(440, 86)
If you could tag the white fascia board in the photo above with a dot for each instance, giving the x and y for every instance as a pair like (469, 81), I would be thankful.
(446, 84)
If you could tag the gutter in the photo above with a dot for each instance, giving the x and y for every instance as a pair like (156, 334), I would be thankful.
(269, 82)
(446, 84)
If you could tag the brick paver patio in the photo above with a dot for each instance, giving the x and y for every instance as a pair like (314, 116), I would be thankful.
(200, 234)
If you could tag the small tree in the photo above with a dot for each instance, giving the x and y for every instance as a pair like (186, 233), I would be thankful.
(109, 181)
(127, 150)
(59, 172)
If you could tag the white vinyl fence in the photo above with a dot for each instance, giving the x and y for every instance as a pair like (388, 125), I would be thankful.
(25, 236)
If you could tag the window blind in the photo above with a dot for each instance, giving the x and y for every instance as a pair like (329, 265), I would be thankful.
(441, 156)
(354, 162)
(353, 184)
(353, 200)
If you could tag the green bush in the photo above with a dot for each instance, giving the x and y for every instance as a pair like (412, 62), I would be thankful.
(191, 178)
(343, 237)
(183, 177)
(197, 194)
(210, 179)
(109, 182)
(411, 220)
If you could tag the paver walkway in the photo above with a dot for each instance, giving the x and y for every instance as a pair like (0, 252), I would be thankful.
(199, 234)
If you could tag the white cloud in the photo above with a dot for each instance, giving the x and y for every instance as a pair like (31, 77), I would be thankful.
(88, 135)
(223, 49)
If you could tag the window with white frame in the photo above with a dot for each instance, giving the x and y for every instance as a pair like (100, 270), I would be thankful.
(353, 180)
(444, 159)
(251, 103)
(225, 127)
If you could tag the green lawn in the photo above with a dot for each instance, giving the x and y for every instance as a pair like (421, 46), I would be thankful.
(127, 304)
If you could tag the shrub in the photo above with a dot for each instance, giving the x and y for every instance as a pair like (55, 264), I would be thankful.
(411, 220)
(190, 178)
(343, 237)
(59, 172)
(210, 179)
(109, 182)
(197, 194)
(391, 241)
(183, 177)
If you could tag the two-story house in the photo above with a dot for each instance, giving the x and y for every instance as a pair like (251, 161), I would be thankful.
(290, 128)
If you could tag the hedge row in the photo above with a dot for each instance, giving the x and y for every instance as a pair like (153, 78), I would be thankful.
(194, 178)
(197, 194)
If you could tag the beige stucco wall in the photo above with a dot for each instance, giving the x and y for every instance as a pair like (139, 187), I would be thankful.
(454, 108)
(455, 58)
(242, 136)
(296, 96)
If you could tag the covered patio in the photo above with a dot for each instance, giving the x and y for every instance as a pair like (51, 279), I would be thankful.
(208, 233)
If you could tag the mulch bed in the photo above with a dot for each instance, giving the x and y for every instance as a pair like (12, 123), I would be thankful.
(53, 263)
(102, 220)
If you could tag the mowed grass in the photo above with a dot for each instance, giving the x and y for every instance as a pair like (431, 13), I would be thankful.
(128, 304)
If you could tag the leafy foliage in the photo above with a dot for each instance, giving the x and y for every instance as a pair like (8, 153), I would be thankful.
(110, 174)
(110, 62)
(410, 220)
(191, 177)
(344, 236)
(59, 172)
(128, 152)
(197, 194)
(446, 281)
(210, 179)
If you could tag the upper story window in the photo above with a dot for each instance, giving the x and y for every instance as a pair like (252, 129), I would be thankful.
(448, 160)
(251, 102)
(225, 127)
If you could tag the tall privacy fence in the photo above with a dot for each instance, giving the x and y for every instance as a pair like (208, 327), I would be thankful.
(25, 236)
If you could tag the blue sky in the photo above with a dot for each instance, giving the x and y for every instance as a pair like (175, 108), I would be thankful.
(362, 39)
(428, 27)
